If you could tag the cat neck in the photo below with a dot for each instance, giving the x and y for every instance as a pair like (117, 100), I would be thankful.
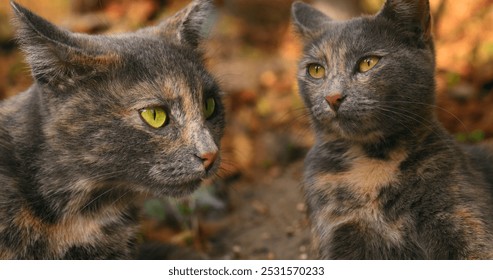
(367, 167)
(55, 198)
(381, 145)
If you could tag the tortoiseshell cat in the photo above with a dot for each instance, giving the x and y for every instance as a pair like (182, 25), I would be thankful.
(109, 119)
(384, 180)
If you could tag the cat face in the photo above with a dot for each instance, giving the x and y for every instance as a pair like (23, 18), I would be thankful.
(370, 77)
(138, 110)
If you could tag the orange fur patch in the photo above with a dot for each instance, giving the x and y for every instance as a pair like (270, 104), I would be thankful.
(364, 180)
(367, 176)
(69, 232)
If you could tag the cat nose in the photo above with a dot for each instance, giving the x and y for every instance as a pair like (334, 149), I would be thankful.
(208, 159)
(334, 101)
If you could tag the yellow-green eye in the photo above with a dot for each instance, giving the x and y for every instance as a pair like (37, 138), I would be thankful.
(368, 63)
(154, 116)
(316, 71)
(209, 107)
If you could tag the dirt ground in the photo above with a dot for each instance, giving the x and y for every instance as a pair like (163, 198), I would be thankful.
(255, 209)
(267, 219)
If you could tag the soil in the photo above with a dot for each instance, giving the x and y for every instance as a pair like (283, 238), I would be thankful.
(267, 220)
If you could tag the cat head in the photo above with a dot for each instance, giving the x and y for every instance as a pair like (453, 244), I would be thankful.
(136, 109)
(370, 77)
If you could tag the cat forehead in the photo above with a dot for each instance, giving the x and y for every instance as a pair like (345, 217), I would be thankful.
(165, 90)
(167, 79)
(358, 35)
(153, 47)
(147, 57)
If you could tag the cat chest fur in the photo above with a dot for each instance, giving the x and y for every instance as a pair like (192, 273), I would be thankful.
(350, 196)
(83, 234)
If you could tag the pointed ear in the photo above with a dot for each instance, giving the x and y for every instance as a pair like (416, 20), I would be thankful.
(189, 25)
(308, 21)
(56, 55)
(409, 16)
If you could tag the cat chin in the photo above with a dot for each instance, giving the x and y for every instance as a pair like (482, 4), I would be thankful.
(355, 133)
(179, 190)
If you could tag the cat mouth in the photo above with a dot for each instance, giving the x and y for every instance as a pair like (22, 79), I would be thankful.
(185, 185)
(176, 183)
(356, 129)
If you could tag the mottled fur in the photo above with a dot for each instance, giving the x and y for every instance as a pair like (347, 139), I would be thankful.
(76, 157)
(384, 180)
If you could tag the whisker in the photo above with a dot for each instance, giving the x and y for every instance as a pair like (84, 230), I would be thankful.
(124, 194)
(98, 179)
(389, 115)
(433, 106)
(418, 118)
(95, 199)
(409, 115)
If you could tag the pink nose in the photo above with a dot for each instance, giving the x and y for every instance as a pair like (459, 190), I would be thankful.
(334, 101)
(208, 159)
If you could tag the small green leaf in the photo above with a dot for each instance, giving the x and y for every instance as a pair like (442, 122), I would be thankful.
(453, 79)
(155, 209)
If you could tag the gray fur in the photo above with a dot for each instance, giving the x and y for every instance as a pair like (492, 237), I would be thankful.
(384, 180)
(76, 155)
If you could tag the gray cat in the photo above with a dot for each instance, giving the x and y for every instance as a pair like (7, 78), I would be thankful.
(384, 180)
(108, 120)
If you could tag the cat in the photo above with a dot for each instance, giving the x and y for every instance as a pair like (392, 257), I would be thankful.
(109, 120)
(383, 179)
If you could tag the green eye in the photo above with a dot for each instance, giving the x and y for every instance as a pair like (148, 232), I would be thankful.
(209, 107)
(316, 71)
(368, 63)
(154, 116)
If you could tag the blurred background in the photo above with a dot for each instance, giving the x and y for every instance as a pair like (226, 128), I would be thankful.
(255, 209)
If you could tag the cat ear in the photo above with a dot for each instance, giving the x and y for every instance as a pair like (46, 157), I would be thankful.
(190, 24)
(308, 21)
(409, 15)
(57, 55)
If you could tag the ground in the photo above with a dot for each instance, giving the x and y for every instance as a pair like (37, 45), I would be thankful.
(267, 219)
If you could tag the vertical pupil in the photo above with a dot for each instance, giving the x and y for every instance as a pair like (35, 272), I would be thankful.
(154, 114)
